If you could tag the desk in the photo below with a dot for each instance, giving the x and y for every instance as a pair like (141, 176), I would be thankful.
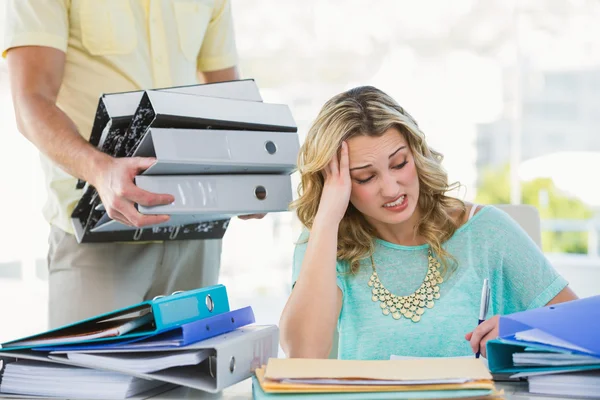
(243, 391)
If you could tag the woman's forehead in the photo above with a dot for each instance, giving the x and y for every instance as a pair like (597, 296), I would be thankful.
(376, 146)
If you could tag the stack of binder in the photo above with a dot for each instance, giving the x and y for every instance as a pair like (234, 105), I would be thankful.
(557, 348)
(187, 339)
(220, 150)
(434, 378)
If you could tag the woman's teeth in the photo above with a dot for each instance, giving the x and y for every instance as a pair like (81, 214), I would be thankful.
(395, 203)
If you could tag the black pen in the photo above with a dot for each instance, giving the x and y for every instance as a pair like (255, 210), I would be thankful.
(484, 305)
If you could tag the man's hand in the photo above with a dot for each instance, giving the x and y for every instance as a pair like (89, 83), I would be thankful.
(251, 216)
(114, 182)
(485, 331)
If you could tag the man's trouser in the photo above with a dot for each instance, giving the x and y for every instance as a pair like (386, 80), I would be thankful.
(93, 278)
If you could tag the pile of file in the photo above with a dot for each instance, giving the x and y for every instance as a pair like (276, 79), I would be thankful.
(187, 339)
(433, 378)
(221, 151)
(557, 348)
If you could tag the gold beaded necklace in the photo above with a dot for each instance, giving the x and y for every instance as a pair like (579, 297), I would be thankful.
(412, 306)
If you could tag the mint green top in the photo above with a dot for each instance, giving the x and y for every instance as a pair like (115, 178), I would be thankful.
(490, 245)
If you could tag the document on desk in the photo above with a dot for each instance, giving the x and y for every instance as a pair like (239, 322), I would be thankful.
(389, 379)
(372, 382)
(395, 357)
(393, 372)
(141, 362)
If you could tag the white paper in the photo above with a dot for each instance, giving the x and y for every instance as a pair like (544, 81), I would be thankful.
(141, 362)
(395, 357)
(538, 336)
(37, 378)
(539, 373)
(534, 359)
(575, 384)
(373, 382)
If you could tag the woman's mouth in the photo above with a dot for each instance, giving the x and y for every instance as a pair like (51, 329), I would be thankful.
(397, 204)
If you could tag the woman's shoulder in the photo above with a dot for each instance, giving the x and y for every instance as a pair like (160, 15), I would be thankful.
(487, 220)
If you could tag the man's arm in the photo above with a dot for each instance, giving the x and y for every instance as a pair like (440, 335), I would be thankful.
(36, 75)
(221, 75)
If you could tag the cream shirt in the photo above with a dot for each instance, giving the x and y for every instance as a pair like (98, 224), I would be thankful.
(117, 46)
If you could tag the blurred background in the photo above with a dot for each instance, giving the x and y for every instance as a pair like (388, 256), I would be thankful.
(508, 91)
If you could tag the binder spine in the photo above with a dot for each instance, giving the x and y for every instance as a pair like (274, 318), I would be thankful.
(238, 361)
(183, 307)
(217, 325)
(3, 363)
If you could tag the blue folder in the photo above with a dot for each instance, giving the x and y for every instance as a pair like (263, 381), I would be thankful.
(161, 314)
(577, 323)
(172, 338)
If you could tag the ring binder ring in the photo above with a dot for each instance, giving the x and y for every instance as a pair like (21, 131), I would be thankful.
(212, 364)
(260, 192)
(160, 296)
(177, 292)
(210, 303)
(138, 234)
(270, 147)
(174, 234)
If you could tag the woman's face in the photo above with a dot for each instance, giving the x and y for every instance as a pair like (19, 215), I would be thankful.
(385, 185)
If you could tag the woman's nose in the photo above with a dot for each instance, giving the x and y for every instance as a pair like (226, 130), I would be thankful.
(390, 188)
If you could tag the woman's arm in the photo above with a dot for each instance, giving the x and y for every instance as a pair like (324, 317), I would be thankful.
(564, 295)
(309, 319)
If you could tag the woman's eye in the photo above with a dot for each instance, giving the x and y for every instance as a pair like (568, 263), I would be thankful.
(361, 181)
(400, 166)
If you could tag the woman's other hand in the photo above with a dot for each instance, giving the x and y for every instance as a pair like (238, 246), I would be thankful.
(485, 331)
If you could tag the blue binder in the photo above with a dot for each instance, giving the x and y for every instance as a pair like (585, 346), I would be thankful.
(575, 323)
(180, 336)
(159, 314)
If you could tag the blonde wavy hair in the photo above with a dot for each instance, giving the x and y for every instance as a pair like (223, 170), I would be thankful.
(367, 111)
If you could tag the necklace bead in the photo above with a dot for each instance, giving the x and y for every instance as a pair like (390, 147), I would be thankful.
(412, 306)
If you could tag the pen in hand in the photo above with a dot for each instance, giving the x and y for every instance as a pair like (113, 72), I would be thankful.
(485, 304)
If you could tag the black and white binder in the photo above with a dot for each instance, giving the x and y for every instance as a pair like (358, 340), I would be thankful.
(204, 198)
(194, 131)
(115, 110)
(162, 109)
(205, 151)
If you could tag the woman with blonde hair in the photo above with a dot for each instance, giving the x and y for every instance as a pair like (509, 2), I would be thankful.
(388, 258)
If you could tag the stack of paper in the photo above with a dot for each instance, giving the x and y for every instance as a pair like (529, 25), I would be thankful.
(393, 379)
(220, 150)
(573, 384)
(141, 362)
(532, 358)
(36, 378)
(189, 338)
